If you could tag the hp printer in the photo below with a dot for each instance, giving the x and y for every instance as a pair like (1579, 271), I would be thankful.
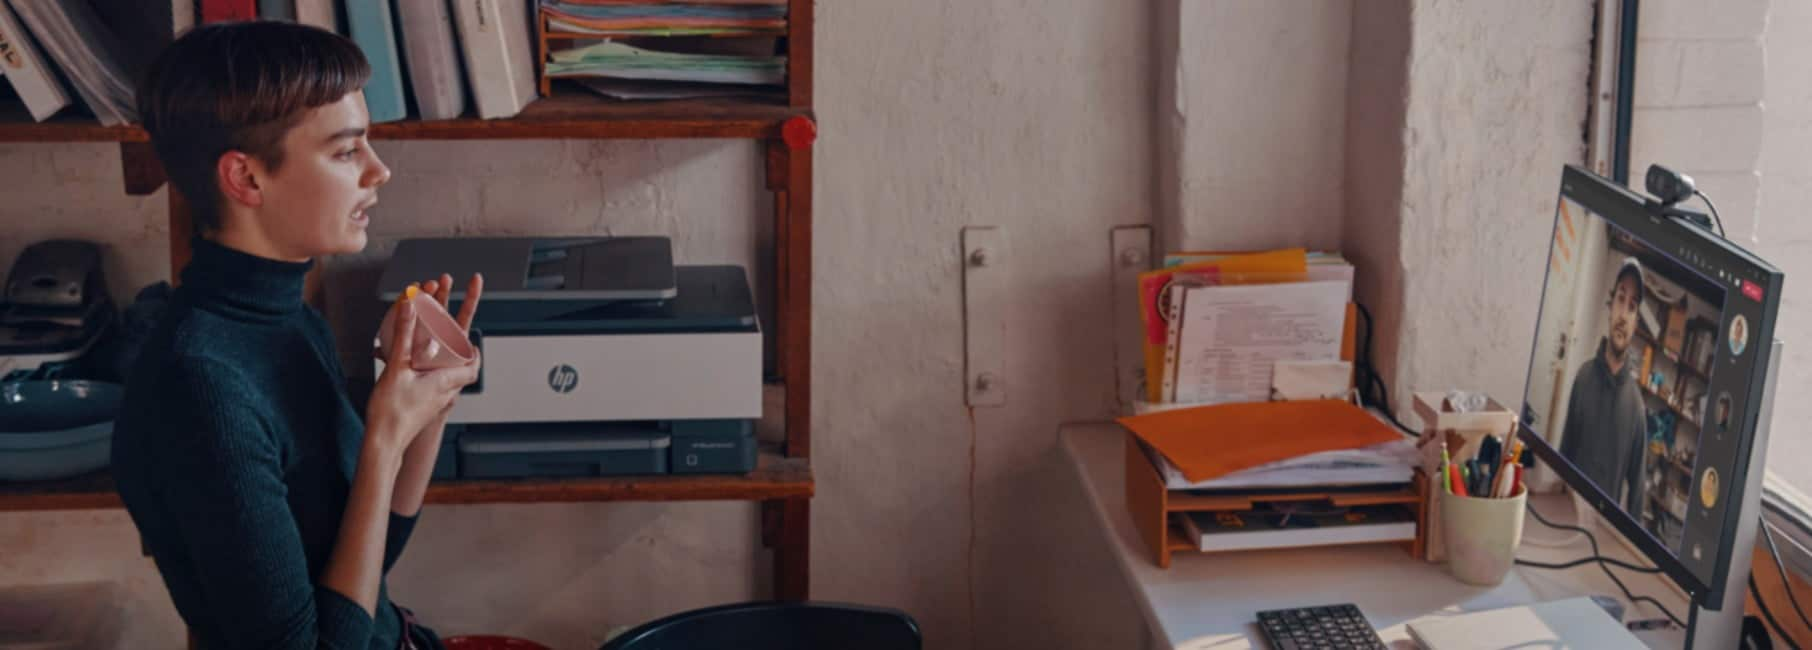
(600, 357)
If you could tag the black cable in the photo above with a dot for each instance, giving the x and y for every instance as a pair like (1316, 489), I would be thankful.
(1372, 389)
(1786, 585)
(1602, 564)
(1760, 604)
(1714, 212)
(1588, 560)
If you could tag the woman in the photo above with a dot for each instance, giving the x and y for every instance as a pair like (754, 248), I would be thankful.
(272, 511)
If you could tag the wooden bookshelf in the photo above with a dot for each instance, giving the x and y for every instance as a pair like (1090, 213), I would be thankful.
(781, 120)
(568, 114)
(775, 477)
(70, 125)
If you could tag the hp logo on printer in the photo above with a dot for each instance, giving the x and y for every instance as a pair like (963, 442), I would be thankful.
(563, 378)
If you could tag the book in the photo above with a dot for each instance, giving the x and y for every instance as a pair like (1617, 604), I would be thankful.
(277, 9)
(499, 55)
(143, 29)
(1294, 524)
(218, 11)
(324, 14)
(432, 55)
(371, 27)
(27, 69)
(88, 54)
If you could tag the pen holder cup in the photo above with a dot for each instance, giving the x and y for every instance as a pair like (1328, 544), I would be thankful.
(1481, 535)
(1462, 433)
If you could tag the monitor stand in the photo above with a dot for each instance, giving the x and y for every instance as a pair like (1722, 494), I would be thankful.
(1723, 627)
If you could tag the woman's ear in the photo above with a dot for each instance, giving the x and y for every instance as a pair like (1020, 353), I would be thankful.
(238, 179)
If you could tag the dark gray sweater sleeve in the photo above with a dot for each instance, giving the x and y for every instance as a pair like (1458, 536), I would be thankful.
(236, 525)
(397, 537)
(397, 533)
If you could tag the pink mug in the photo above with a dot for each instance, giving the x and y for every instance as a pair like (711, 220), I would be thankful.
(439, 340)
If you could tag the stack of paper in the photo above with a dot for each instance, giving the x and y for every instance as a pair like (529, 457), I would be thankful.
(1206, 443)
(695, 17)
(1216, 325)
(1387, 463)
(624, 61)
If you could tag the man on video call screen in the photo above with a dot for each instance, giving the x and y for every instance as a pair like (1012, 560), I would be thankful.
(1605, 427)
(1620, 377)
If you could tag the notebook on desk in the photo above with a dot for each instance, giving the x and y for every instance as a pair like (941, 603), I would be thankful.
(1571, 624)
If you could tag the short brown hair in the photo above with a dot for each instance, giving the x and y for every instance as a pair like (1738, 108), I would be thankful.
(239, 86)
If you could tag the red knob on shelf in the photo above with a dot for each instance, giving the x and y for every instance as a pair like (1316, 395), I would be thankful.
(799, 132)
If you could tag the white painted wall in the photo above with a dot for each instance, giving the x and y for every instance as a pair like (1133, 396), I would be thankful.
(1029, 115)
(1495, 104)
(1053, 120)
(1783, 231)
(1023, 114)
(1377, 105)
(1252, 122)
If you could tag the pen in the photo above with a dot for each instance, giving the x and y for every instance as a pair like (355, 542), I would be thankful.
(1492, 473)
(1506, 484)
(1446, 469)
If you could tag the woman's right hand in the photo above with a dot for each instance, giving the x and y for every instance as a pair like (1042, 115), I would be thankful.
(405, 400)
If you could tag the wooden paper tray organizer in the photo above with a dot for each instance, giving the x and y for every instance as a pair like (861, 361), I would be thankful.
(1156, 511)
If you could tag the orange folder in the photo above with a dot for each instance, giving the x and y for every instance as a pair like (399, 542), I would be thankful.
(1207, 442)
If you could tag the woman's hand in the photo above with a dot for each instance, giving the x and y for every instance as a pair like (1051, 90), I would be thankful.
(406, 400)
(442, 289)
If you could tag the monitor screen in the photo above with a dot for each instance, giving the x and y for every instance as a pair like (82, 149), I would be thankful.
(1646, 372)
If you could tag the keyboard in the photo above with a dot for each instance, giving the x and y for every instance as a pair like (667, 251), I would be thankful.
(1329, 627)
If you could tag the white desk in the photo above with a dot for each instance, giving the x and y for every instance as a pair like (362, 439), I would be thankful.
(1211, 600)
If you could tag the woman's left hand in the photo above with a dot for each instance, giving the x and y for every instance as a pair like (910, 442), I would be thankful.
(442, 289)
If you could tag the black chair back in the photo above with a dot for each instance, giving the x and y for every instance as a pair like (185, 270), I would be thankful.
(776, 626)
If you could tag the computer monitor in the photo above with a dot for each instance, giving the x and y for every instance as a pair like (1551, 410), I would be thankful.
(1647, 376)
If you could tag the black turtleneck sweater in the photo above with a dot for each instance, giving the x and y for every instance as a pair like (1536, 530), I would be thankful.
(234, 452)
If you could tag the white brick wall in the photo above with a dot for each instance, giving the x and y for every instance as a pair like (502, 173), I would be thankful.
(1702, 19)
(1698, 100)
(1698, 141)
(1784, 229)
(1675, 73)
